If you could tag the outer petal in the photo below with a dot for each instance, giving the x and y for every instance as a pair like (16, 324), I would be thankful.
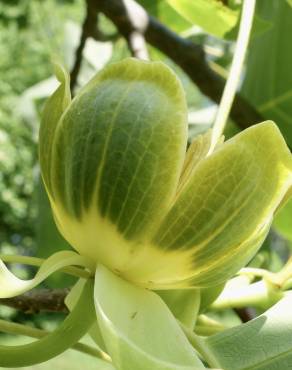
(52, 113)
(117, 157)
(223, 213)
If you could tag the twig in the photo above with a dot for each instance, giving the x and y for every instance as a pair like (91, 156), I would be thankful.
(189, 56)
(245, 314)
(39, 300)
(88, 28)
(137, 45)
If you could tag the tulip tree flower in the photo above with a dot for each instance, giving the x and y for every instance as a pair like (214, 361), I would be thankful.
(142, 212)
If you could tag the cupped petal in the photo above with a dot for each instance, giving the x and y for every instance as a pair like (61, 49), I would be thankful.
(117, 157)
(223, 214)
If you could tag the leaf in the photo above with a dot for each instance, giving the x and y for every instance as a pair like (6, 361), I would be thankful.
(74, 327)
(113, 179)
(11, 286)
(161, 10)
(268, 82)
(264, 343)
(138, 328)
(214, 17)
(213, 223)
(183, 303)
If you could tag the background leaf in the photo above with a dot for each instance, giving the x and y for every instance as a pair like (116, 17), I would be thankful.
(264, 343)
(215, 17)
(268, 81)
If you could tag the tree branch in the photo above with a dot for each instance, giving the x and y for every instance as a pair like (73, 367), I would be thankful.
(130, 17)
(39, 300)
(89, 29)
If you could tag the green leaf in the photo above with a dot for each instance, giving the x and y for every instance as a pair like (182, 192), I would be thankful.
(213, 222)
(264, 343)
(118, 153)
(268, 81)
(138, 328)
(161, 10)
(74, 327)
(183, 303)
(11, 286)
(214, 17)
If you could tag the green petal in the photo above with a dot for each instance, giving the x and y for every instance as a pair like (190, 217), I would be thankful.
(52, 113)
(223, 214)
(118, 153)
(74, 327)
(11, 286)
(138, 328)
(183, 303)
(197, 151)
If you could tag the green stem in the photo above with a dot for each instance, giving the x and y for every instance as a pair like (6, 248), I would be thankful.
(199, 344)
(206, 326)
(28, 331)
(235, 71)
(34, 261)
(260, 294)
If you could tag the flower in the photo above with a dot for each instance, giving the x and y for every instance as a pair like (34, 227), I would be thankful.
(125, 194)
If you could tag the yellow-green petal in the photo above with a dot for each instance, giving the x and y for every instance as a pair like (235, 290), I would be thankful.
(224, 212)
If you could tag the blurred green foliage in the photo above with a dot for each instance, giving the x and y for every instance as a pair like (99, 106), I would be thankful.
(29, 37)
(32, 33)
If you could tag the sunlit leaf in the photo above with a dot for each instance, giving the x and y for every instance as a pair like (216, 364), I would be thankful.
(161, 10)
(214, 17)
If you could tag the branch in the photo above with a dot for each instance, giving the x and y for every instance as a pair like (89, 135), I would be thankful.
(130, 17)
(89, 29)
(137, 45)
(39, 300)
